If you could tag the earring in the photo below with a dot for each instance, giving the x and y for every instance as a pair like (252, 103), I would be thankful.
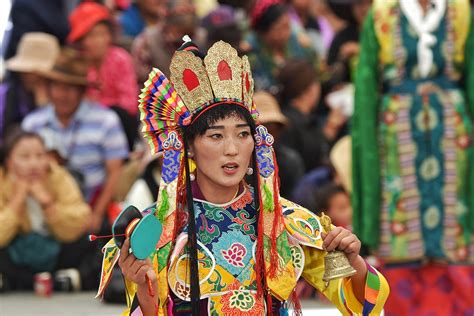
(190, 154)
(192, 177)
(249, 171)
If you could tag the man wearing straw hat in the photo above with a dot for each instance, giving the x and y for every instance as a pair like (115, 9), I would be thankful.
(24, 89)
(87, 138)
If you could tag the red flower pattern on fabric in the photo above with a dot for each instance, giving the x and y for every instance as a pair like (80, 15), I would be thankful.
(235, 254)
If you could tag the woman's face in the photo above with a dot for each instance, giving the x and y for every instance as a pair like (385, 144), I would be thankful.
(94, 44)
(279, 33)
(223, 153)
(28, 160)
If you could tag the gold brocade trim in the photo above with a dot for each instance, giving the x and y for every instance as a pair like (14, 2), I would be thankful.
(220, 56)
(247, 81)
(200, 94)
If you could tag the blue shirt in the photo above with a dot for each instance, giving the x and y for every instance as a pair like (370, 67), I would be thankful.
(93, 136)
(132, 22)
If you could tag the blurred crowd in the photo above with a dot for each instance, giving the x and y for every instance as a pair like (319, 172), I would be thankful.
(72, 153)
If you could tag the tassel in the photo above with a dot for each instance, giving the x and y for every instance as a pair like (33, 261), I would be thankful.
(277, 223)
(170, 306)
(269, 304)
(268, 200)
(164, 206)
(295, 302)
(259, 253)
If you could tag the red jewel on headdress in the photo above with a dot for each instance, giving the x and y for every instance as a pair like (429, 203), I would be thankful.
(247, 82)
(224, 71)
(190, 79)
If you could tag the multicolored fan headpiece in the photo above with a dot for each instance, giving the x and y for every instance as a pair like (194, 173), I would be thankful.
(167, 107)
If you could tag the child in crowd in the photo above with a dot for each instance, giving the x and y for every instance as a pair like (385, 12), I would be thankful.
(335, 202)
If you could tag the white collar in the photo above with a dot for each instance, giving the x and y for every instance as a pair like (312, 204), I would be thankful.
(424, 25)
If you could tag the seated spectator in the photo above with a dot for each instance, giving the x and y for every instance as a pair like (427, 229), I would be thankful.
(84, 136)
(111, 75)
(43, 218)
(155, 46)
(25, 90)
(290, 163)
(140, 14)
(272, 42)
(221, 24)
(300, 92)
(344, 48)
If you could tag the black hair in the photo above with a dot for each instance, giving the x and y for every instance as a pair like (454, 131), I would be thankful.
(12, 139)
(211, 116)
(294, 78)
(324, 194)
(197, 128)
(265, 21)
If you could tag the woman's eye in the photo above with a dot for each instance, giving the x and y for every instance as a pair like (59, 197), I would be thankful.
(244, 134)
(216, 136)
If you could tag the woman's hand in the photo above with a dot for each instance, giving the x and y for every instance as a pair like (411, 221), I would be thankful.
(342, 239)
(18, 198)
(133, 269)
(137, 271)
(39, 192)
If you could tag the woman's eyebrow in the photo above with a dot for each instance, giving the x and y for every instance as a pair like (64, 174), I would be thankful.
(223, 127)
(216, 127)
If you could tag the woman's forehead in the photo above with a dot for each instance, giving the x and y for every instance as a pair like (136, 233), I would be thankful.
(233, 121)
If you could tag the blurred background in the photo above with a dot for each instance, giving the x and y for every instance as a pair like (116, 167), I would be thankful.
(371, 104)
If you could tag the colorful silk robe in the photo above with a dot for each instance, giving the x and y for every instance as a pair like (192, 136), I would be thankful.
(226, 242)
(413, 154)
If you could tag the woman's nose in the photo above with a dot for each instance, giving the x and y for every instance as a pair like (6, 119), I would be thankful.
(230, 147)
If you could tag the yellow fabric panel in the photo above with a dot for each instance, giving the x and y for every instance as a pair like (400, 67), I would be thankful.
(461, 21)
(384, 23)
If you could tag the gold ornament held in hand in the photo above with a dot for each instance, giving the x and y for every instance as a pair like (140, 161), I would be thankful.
(336, 264)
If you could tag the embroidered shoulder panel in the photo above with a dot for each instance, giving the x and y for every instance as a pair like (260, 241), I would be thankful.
(303, 226)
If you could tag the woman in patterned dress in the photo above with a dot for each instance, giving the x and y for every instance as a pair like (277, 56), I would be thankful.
(246, 247)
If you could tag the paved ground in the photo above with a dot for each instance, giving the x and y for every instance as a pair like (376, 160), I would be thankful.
(84, 304)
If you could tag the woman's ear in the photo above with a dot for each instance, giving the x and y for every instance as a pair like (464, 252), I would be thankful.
(191, 151)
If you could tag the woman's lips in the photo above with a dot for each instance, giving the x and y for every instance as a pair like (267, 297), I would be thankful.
(230, 168)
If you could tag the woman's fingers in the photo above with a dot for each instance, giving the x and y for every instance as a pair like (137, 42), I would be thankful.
(341, 239)
(333, 239)
(141, 273)
(345, 242)
(124, 251)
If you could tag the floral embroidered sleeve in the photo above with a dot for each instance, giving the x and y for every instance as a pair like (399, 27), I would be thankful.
(340, 292)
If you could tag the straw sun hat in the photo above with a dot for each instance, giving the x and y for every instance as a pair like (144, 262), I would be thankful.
(268, 109)
(36, 52)
(69, 68)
